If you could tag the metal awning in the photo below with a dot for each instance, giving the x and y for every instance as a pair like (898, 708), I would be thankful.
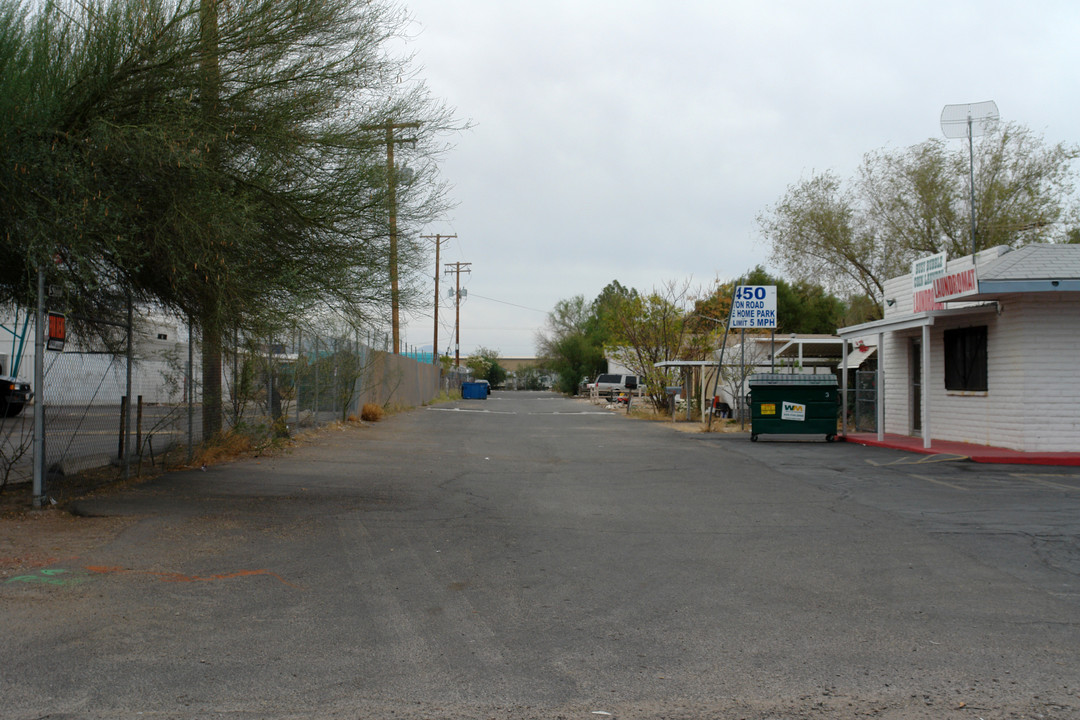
(910, 321)
(858, 356)
(811, 347)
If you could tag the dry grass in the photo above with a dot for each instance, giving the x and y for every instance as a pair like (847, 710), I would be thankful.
(371, 412)
(227, 447)
(645, 411)
(444, 397)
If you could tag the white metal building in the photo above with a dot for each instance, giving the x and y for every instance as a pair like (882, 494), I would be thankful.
(983, 350)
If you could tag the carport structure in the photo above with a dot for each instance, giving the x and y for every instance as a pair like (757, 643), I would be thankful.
(692, 368)
(797, 353)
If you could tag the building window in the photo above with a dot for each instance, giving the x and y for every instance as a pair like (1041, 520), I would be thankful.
(965, 359)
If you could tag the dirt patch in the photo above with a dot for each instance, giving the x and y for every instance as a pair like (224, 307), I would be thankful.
(36, 538)
(681, 424)
(31, 539)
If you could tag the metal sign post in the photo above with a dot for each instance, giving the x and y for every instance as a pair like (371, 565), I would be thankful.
(752, 306)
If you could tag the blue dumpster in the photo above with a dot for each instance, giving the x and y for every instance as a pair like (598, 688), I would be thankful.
(473, 391)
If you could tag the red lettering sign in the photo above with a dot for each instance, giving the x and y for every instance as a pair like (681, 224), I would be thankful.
(924, 300)
(956, 285)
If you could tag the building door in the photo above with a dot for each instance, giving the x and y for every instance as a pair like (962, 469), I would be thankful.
(916, 387)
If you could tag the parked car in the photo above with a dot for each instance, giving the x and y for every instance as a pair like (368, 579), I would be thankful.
(610, 384)
(14, 395)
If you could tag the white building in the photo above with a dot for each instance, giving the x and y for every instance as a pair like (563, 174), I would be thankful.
(983, 351)
(85, 374)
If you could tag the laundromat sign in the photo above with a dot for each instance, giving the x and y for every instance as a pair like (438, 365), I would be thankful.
(956, 285)
(932, 284)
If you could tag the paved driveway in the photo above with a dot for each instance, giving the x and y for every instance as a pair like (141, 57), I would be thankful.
(530, 556)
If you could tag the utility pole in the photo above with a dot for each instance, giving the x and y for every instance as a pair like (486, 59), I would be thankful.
(391, 175)
(438, 241)
(458, 268)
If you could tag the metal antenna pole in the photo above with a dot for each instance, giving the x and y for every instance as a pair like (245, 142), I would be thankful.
(971, 182)
(959, 121)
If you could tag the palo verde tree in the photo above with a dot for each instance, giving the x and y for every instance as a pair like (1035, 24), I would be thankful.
(225, 161)
(852, 236)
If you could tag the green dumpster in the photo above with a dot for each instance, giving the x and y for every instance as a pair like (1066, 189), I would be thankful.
(790, 404)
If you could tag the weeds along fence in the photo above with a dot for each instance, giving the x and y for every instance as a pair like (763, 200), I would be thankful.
(118, 414)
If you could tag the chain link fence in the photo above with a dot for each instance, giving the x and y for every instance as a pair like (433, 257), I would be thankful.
(864, 401)
(110, 418)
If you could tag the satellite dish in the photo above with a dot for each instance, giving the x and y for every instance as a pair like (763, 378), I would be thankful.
(967, 121)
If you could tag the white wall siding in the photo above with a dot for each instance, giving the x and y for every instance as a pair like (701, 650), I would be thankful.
(1033, 372)
(1050, 356)
(897, 385)
(972, 417)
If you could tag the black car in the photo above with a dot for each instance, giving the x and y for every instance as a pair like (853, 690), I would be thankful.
(14, 396)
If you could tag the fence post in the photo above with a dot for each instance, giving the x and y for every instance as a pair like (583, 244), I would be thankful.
(138, 427)
(270, 385)
(39, 388)
(356, 376)
(122, 436)
(296, 374)
(236, 377)
(127, 414)
(190, 391)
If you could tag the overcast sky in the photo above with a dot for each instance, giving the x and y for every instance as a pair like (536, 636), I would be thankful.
(638, 140)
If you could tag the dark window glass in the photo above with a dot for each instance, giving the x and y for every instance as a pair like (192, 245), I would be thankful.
(965, 359)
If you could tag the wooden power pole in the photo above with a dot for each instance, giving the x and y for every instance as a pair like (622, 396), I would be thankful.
(457, 268)
(391, 178)
(438, 241)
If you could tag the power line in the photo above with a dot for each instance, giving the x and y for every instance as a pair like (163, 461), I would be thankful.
(523, 307)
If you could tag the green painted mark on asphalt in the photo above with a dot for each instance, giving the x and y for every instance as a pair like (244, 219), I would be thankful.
(49, 576)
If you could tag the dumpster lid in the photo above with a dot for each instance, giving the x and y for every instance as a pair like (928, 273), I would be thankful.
(791, 379)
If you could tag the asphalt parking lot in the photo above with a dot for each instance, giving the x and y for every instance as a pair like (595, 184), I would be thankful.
(531, 556)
